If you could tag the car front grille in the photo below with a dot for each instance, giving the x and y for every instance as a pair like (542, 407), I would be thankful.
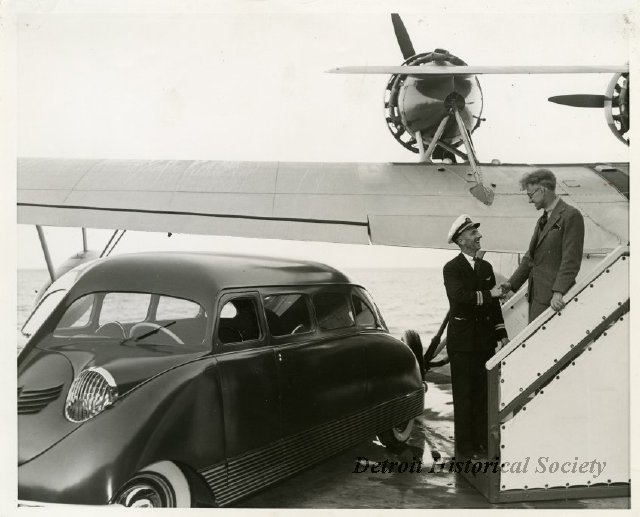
(34, 401)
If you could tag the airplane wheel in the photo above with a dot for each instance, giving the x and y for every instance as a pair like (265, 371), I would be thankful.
(161, 485)
(398, 435)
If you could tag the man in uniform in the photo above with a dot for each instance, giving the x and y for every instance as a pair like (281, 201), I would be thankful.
(555, 251)
(475, 327)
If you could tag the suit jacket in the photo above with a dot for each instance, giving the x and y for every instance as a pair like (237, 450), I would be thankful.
(554, 256)
(475, 319)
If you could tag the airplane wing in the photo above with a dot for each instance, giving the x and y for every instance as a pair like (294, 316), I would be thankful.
(362, 203)
(445, 69)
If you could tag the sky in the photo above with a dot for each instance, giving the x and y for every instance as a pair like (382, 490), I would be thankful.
(251, 85)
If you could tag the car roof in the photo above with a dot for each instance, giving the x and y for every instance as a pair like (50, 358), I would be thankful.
(198, 275)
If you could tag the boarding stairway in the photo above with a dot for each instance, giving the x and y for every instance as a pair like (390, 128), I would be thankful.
(559, 394)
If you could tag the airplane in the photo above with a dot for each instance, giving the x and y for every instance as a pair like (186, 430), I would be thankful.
(433, 105)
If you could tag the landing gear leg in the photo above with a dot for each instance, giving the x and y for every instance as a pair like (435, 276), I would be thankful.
(434, 141)
(479, 191)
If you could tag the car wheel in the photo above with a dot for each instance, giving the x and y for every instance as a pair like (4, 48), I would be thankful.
(161, 485)
(412, 339)
(396, 436)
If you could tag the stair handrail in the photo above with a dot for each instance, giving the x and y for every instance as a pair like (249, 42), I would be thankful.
(520, 293)
(549, 313)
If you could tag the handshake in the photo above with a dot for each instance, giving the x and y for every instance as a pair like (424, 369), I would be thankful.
(501, 291)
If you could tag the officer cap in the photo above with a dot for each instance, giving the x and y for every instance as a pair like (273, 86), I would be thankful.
(461, 223)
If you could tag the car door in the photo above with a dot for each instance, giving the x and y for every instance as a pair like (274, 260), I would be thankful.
(323, 373)
(248, 374)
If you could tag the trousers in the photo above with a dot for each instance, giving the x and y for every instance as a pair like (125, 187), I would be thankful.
(469, 387)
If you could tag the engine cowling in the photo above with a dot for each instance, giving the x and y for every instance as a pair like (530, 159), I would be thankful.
(419, 104)
(617, 106)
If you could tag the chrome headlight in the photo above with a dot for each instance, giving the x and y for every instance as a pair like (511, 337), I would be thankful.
(90, 393)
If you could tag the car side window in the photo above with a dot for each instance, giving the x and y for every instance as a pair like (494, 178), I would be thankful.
(365, 316)
(239, 321)
(287, 314)
(79, 313)
(174, 308)
(333, 311)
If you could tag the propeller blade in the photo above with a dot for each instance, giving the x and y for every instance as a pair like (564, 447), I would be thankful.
(406, 47)
(579, 100)
(471, 70)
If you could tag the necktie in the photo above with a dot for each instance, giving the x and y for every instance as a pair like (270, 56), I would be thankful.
(543, 220)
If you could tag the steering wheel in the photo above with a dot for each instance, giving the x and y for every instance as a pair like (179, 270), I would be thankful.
(148, 326)
(299, 329)
(111, 329)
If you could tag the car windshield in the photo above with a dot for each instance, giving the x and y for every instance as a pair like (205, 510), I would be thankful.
(143, 319)
(42, 311)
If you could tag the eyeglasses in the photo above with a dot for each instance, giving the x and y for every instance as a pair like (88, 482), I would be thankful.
(530, 195)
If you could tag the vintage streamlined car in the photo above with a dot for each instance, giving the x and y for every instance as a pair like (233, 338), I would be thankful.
(192, 379)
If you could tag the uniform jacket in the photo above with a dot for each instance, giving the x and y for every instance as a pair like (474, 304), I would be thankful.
(554, 256)
(475, 319)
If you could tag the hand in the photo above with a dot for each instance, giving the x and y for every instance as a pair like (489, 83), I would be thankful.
(496, 292)
(506, 287)
(557, 303)
(505, 297)
(502, 343)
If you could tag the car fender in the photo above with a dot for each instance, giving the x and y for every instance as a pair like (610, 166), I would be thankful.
(176, 416)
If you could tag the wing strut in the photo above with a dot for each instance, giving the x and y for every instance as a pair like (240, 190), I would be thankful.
(45, 251)
(106, 251)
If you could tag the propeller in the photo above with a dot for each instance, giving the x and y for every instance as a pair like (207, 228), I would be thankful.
(406, 47)
(417, 91)
(579, 100)
(615, 103)
(423, 97)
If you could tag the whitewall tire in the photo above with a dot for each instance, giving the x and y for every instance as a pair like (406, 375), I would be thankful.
(160, 485)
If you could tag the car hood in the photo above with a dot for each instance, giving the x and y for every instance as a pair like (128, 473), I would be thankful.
(45, 375)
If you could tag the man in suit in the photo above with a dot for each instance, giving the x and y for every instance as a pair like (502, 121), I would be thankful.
(475, 327)
(555, 251)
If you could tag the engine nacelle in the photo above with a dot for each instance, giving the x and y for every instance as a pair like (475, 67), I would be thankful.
(419, 104)
(616, 106)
